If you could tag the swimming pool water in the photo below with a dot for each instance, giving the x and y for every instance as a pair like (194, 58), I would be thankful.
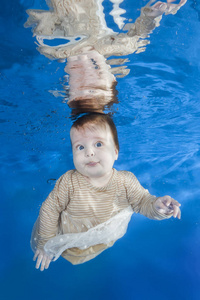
(157, 118)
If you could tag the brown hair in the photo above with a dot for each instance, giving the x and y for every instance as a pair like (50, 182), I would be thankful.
(97, 119)
(89, 103)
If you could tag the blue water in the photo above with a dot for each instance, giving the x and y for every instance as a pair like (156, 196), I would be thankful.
(159, 132)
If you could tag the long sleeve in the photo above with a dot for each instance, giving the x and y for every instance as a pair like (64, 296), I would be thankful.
(47, 223)
(141, 200)
(145, 23)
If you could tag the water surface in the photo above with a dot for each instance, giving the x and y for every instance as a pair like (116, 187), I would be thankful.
(157, 117)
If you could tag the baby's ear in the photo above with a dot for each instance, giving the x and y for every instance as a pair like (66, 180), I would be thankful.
(116, 153)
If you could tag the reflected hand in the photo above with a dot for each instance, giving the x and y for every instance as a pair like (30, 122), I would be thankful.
(159, 8)
(43, 260)
(168, 206)
(173, 8)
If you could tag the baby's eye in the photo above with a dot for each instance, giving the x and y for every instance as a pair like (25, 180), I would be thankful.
(98, 144)
(80, 147)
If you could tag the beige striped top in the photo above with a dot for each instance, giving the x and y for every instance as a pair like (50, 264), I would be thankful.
(75, 205)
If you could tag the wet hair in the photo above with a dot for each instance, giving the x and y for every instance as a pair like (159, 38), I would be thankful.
(91, 120)
(89, 103)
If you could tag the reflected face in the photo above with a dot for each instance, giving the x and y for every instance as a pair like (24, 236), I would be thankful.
(94, 151)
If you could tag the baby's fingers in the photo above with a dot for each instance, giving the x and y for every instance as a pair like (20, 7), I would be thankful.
(47, 263)
(169, 202)
(39, 260)
(36, 255)
(162, 208)
(176, 212)
(176, 203)
(43, 263)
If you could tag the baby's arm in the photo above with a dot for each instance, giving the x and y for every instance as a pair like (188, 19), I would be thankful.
(157, 208)
(151, 16)
(168, 206)
(46, 226)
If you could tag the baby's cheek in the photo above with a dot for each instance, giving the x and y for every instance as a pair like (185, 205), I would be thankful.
(76, 161)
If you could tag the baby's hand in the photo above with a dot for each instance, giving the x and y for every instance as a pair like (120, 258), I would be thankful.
(167, 206)
(42, 259)
(159, 8)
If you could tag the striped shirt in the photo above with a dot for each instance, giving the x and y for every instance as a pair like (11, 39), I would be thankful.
(75, 205)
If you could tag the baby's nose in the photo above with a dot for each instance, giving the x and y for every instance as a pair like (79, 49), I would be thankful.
(89, 152)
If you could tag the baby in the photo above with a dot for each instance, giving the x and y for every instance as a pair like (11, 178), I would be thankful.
(90, 206)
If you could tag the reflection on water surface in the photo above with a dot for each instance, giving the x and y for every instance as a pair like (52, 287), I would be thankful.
(157, 116)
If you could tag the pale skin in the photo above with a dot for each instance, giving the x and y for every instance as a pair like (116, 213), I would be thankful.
(43, 260)
(94, 154)
(90, 76)
(159, 8)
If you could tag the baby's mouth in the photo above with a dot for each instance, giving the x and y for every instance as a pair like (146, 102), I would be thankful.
(92, 164)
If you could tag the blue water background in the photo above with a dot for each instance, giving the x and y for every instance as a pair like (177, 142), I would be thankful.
(159, 131)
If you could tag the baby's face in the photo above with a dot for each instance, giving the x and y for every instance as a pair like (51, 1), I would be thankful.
(94, 151)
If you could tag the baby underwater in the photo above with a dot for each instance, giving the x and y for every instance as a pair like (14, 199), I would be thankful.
(91, 206)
